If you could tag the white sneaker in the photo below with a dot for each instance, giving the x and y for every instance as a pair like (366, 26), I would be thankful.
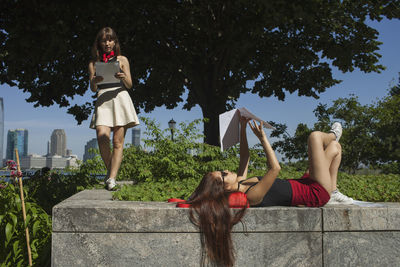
(339, 198)
(336, 128)
(110, 183)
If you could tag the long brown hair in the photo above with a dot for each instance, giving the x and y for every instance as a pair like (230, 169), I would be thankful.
(210, 211)
(109, 34)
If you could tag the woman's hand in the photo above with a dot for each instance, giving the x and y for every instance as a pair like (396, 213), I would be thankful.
(97, 79)
(120, 75)
(243, 122)
(258, 130)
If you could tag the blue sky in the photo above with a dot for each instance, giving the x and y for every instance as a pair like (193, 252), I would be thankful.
(41, 121)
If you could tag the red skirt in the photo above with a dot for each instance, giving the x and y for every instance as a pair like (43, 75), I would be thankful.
(308, 192)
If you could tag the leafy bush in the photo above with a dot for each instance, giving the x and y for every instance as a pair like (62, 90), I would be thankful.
(13, 251)
(374, 188)
(157, 191)
(162, 159)
(51, 187)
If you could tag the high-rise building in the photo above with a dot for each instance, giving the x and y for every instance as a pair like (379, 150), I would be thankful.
(58, 143)
(1, 130)
(90, 144)
(17, 139)
(136, 136)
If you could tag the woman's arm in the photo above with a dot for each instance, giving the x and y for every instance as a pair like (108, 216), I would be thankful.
(93, 80)
(125, 75)
(257, 193)
(244, 149)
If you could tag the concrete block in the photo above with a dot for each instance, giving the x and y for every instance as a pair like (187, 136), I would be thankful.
(89, 229)
(355, 218)
(182, 249)
(361, 249)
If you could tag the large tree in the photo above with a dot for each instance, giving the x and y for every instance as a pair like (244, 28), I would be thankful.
(209, 49)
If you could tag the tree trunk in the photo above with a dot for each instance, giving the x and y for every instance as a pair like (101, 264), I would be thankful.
(211, 128)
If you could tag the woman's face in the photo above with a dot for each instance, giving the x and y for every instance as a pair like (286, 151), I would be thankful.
(228, 178)
(107, 45)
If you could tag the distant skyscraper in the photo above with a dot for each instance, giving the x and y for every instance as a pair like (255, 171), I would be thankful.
(48, 148)
(136, 136)
(58, 144)
(1, 130)
(90, 144)
(17, 139)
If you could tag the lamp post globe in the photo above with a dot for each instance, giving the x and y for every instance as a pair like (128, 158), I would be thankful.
(171, 125)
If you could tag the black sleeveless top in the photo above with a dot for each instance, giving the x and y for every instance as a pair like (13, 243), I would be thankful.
(280, 194)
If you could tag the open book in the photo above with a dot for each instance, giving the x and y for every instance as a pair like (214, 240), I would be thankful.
(229, 130)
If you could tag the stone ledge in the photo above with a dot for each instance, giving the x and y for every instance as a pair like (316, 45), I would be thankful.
(102, 232)
(84, 213)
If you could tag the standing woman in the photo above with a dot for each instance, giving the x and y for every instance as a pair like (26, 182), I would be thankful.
(114, 110)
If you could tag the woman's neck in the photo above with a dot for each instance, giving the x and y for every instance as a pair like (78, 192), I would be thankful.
(244, 184)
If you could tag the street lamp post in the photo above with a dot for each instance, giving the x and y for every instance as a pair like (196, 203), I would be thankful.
(171, 125)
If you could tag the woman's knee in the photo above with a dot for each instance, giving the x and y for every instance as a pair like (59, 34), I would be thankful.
(103, 132)
(118, 144)
(336, 146)
(315, 136)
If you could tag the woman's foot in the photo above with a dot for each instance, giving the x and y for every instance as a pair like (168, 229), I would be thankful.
(336, 129)
(110, 184)
(339, 198)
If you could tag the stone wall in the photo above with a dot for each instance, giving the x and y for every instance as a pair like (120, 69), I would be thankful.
(89, 229)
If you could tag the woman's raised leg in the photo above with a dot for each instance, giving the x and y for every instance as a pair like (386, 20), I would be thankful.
(323, 150)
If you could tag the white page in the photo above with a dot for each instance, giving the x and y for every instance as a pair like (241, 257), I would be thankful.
(107, 71)
(229, 129)
(229, 126)
(247, 114)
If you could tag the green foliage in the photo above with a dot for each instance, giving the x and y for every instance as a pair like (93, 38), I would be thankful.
(157, 191)
(163, 159)
(209, 49)
(371, 133)
(51, 187)
(13, 250)
(374, 188)
(291, 147)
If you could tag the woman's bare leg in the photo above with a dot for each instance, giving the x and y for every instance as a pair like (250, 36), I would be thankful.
(118, 145)
(335, 166)
(103, 139)
(322, 150)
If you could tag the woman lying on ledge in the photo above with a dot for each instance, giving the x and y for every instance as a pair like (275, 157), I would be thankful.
(210, 199)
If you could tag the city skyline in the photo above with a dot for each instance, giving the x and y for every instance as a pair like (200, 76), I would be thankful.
(17, 139)
(58, 143)
(90, 144)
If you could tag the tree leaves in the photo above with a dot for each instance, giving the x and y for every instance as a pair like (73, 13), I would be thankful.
(208, 49)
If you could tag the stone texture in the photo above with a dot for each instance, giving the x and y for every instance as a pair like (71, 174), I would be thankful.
(361, 249)
(84, 213)
(355, 218)
(165, 249)
(89, 229)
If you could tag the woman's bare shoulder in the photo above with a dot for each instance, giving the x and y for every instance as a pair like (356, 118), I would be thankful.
(122, 58)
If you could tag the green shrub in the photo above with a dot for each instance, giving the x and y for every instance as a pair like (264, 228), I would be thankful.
(374, 188)
(51, 187)
(13, 251)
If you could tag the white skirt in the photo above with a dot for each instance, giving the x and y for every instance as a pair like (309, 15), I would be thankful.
(114, 107)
